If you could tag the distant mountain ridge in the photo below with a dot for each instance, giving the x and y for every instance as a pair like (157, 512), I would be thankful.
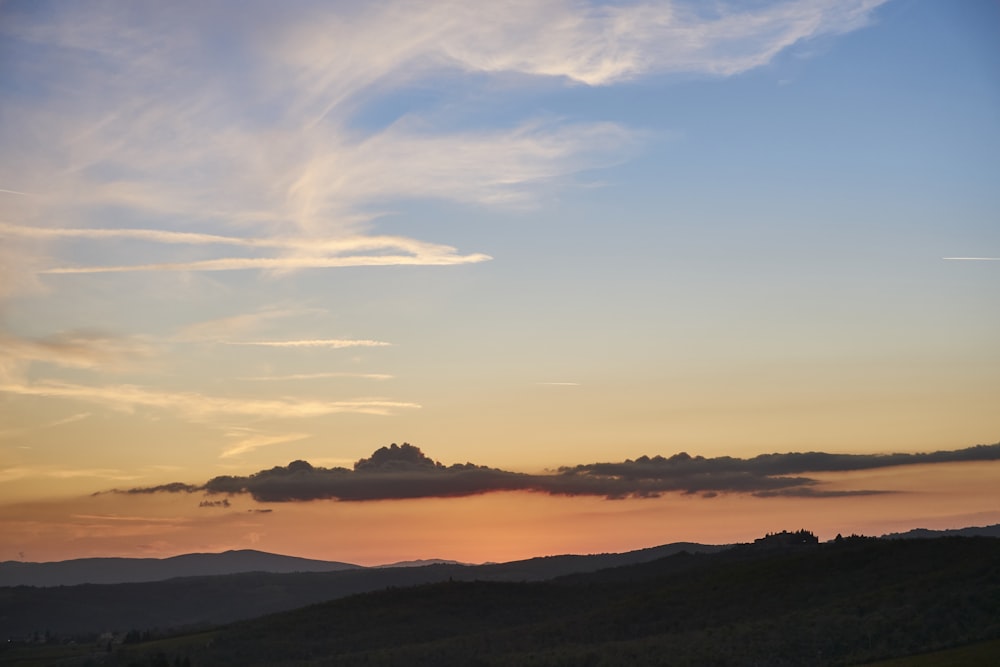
(972, 531)
(210, 600)
(136, 570)
(139, 570)
(422, 562)
(146, 570)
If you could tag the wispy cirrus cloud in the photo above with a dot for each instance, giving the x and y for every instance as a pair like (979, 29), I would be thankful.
(11, 432)
(74, 349)
(152, 121)
(147, 147)
(201, 406)
(8, 474)
(334, 343)
(274, 263)
(309, 252)
(317, 376)
(247, 441)
(593, 43)
(79, 349)
(227, 328)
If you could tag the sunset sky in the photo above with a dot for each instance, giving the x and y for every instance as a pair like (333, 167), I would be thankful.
(521, 235)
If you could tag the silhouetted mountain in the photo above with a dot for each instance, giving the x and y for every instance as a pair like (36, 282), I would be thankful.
(124, 570)
(549, 567)
(974, 531)
(68, 610)
(421, 563)
(838, 603)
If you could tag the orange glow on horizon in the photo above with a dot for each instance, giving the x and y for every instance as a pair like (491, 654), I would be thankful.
(492, 527)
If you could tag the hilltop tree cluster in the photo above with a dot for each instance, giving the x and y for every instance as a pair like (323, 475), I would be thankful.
(786, 539)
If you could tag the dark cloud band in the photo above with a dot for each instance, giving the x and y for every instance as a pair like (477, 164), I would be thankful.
(399, 472)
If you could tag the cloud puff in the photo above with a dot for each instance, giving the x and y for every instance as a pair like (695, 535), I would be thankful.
(398, 472)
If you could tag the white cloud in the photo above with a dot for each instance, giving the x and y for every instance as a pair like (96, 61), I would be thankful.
(334, 246)
(336, 56)
(306, 252)
(279, 263)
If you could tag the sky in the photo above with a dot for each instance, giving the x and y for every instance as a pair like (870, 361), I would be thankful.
(528, 238)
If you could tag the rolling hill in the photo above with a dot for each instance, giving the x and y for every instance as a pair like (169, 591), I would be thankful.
(125, 570)
(196, 601)
(843, 603)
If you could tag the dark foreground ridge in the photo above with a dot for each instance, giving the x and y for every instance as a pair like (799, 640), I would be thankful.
(847, 602)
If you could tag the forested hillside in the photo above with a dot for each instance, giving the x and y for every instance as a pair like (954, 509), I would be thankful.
(69, 611)
(842, 603)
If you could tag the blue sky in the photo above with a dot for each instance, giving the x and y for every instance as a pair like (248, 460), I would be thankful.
(590, 232)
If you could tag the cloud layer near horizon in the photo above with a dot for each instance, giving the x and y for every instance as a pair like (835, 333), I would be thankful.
(400, 472)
